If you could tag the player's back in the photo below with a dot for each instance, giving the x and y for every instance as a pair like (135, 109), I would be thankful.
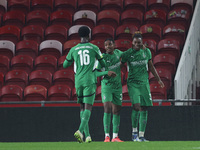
(85, 56)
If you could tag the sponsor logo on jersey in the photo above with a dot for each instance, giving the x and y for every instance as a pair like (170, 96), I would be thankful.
(141, 62)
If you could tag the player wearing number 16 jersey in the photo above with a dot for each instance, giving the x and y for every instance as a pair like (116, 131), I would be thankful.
(84, 55)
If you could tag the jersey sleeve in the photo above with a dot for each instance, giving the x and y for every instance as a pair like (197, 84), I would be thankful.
(149, 54)
(69, 59)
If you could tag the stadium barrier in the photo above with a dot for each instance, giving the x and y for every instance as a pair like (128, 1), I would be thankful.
(52, 124)
(187, 76)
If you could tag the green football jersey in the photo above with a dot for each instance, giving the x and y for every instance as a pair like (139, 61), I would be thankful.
(112, 64)
(137, 63)
(85, 56)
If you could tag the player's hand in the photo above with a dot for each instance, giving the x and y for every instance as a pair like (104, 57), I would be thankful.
(112, 74)
(161, 84)
(143, 46)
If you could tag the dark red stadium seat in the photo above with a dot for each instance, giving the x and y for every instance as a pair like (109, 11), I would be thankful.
(60, 64)
(103, 32)
(64, 77)
(166, 61)
(17, 77)
(165, 75)
(151, 31)
(85, 17)
(100, 44)
(73, 32)
(51, 47)
(135, 4)
(59, 93)
(40, 77)
(179, 16)
(74, 96)
(35, 93)
(124, 70)
(112, 5)
(89, 5)
(188, 4)
(3, 7)
(56, 32)
(132, 17)
(61, 17)
(152, 45)
(46, 5)
(159, 4)
(1, 80)
(155, 16)
(22, 5)
(9, 93)
(22, 62)
(4, 64)
(108, 17)
(125, 31)
(123, 45)
(33, 32)
(157, 92)
(10, 33)
(98, 93)
(174, 31)
(27, 47)
(68, 5)
(68, 45)
(15, 18)
(125, 92)
(7, 48)
(169, 46)
(38, 17)
(46, 62)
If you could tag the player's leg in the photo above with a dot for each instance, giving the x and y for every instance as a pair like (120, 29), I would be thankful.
(143, 123)
(146, 101)
(88, 100)
(106, 99)
(116, 108)
(135, 100)
(79, 92)
(135, 114)
(86, 129)
(107, 120)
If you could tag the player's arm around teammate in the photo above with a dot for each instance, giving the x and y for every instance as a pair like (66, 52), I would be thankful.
(111, 91)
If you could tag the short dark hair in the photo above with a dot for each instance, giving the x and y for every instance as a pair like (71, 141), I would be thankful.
(84, 31)
(137, 34)
(109, 39)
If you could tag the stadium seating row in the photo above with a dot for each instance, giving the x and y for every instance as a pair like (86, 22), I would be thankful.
(87, 17)
(96, 6)
(60, 33)
(60, 93)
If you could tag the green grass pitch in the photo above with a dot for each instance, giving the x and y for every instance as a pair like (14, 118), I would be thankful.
(154, 145)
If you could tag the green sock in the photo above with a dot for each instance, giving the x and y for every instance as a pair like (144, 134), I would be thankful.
(86, 129)
(84, 120)
(106, 122)
(143, 120)
(116, 122)
(134, 118)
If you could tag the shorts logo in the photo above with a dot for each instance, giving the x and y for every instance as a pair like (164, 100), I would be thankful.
(104, 97)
